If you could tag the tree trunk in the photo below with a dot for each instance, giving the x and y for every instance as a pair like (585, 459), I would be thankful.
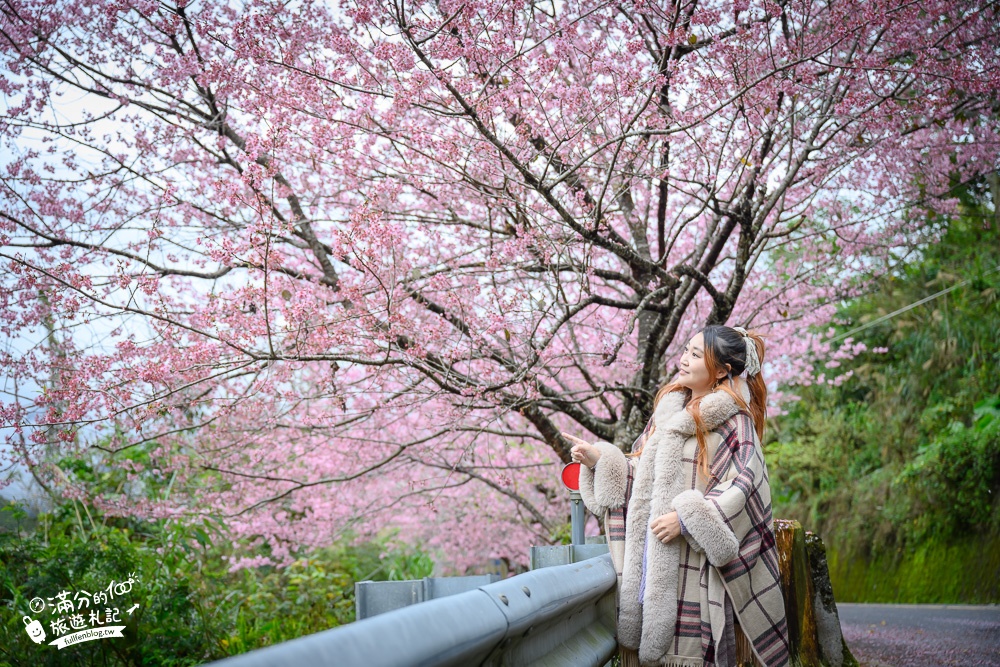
(813, 623)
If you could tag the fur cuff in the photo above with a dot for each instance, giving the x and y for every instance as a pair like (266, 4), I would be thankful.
(707, 527)
(587, 492)
(604, 488)
(610, 476)
(693, 543)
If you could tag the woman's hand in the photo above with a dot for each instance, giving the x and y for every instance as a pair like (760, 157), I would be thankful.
(582, 451)
(666, 527)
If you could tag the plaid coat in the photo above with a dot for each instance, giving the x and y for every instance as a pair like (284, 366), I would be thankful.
(723, 569)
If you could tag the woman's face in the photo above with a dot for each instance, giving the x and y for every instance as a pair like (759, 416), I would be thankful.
(692, 372)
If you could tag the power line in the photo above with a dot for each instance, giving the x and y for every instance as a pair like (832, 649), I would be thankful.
(906, 308)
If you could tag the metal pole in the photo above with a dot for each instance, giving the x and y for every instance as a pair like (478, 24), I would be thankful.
(578, 517)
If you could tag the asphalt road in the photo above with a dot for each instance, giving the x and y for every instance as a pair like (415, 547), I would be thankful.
(904, 635)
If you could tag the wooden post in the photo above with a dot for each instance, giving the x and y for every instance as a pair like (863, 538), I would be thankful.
(813, 623)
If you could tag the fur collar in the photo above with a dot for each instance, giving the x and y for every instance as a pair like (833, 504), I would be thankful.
(716, 408)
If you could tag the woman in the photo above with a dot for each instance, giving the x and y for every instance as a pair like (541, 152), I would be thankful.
(688, 516)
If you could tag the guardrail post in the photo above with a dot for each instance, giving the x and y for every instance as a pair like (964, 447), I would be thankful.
(372, 598)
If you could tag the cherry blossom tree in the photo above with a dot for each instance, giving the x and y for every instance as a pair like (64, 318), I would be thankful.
(314, 268)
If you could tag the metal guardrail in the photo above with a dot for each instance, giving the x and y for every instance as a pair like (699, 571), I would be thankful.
(553, 616)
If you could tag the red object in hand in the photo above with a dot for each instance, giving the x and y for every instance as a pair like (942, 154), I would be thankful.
(571, 476)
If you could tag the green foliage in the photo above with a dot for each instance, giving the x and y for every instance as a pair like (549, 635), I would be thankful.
(562, 533)
(900, 462)
(950, 483)
(935, 571)
(313, 594)
(59, 556)
(192, 608)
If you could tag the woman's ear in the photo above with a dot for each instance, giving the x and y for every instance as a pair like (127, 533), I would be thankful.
(723, 373)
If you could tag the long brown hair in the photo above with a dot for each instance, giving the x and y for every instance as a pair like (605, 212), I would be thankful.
(723, 345)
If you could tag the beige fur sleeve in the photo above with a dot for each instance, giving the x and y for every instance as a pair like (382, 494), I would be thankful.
(604, 487)
(707, 526)
(719, 521)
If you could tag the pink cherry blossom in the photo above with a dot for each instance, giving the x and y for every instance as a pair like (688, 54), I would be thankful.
(347, 269)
